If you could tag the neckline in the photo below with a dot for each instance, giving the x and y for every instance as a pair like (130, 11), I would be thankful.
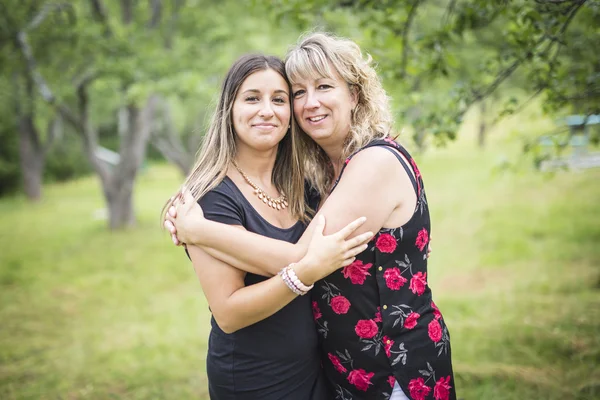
(255, 211)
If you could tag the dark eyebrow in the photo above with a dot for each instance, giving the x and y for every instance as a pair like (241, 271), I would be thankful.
(258, 91)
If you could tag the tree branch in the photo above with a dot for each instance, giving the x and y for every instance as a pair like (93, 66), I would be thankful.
(544, 40)
(156, 7)
(405, 32)
(126, 11)
(46, 9)
(41, 84)
(100, 15)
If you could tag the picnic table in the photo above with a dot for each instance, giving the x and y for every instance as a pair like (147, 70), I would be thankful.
(577, 139)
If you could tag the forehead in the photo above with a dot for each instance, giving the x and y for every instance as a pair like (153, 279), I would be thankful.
(265, 80)
(309, 64)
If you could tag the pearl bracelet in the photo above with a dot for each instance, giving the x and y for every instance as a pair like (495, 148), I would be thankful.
(288, 281)
(293, 282)
(297, 282)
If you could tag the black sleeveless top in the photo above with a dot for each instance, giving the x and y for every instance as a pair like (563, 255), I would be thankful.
(376, 318)
(276, 358)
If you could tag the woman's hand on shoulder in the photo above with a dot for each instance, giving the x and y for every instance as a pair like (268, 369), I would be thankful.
(327, 253)
(183, 218)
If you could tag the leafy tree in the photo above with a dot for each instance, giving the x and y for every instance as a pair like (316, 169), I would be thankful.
(439, 58)
(129, 65)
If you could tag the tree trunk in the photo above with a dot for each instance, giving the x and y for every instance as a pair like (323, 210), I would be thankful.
(32, 158)
(482, 125)
(118, 183)
(119, 199)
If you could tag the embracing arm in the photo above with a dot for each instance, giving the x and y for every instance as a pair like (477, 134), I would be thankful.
(372, 180)
(252, 252)
(236, 306)
(255, 253)
(233, 305)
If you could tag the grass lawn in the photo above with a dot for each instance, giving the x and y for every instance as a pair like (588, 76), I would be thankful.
(90, 314)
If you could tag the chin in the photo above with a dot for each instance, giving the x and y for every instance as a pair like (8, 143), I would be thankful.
(319, 135)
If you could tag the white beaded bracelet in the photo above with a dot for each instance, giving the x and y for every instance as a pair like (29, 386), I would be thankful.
(288, 281)
(293, 282)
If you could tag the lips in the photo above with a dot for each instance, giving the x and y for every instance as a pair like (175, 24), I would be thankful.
(317, 118)
(265, 125)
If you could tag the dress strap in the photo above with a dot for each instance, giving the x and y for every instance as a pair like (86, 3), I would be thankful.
(408, 170)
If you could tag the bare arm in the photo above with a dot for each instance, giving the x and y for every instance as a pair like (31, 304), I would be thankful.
(366, 180)
(251, 252)
(233, 305)
(236, 306)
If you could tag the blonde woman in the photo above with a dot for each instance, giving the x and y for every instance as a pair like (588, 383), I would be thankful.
(263, 343)
(382, 336)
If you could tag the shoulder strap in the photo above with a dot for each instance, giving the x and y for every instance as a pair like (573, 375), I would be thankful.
(408, 170)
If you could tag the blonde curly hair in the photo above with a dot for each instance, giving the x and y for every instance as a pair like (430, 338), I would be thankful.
(323, 55)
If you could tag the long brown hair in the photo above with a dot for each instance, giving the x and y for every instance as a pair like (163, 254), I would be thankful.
(218, 148)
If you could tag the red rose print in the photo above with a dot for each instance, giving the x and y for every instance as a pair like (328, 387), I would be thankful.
(393, 278)
(391, 380)
(435, 331)
(422, 239)
(418, 283)
(441, 390)
(418, 389)
(347, 161)
(366, 328)
(411, 320)
(387, 345)
(340, 305)
(337, 364)
(357, 272)
(360, 378)
(316, 311)
(386, 243)
(436, 311)
(378, 315)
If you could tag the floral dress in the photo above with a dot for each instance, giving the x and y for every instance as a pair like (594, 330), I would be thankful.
(376, 318)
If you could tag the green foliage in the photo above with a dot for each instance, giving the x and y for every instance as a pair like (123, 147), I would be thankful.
(65, 160)
(439, 58)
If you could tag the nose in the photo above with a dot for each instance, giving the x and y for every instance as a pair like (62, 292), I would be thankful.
(311, 100)
(266, 111)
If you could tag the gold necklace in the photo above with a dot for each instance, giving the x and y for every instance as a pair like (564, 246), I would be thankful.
(278, 204)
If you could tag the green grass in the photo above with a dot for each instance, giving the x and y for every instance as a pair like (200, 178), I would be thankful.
(91, 314)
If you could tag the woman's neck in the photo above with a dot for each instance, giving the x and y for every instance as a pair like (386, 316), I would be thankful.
(334, 152)
(258, 166)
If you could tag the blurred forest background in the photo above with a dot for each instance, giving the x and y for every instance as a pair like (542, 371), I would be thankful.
(103, 105)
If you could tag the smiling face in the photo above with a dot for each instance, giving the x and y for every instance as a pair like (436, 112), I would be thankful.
(261, 110)
(323, 108)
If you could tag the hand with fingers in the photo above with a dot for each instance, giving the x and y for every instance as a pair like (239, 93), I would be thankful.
(328, 253)
(183, 218)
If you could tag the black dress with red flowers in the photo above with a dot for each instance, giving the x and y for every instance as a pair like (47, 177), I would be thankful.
(376, 318)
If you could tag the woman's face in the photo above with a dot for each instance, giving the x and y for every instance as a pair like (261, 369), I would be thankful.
(261, 110)
(323, 108)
